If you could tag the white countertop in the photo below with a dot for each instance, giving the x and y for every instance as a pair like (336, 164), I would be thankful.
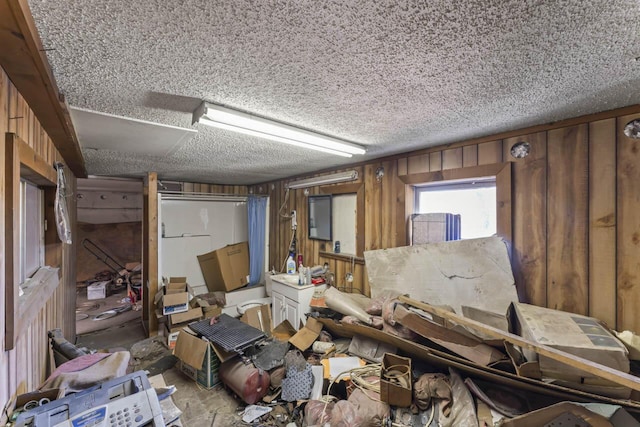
(290, 280)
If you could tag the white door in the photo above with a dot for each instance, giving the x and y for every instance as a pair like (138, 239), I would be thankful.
(292, 313)
(278, 308)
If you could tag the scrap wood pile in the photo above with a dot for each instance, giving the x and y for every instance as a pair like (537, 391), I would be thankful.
(430, 358)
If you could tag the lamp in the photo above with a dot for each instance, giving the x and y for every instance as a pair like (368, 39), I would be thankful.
(322, 180)
(248, 124)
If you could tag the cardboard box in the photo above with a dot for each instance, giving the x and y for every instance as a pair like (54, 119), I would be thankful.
(173, 297)
(259, 317)
(98, 290)
(198, 359)
(181, 319)
(575, 334)
(227, 268)
(305, 337)
(17, 402)
(390, 390)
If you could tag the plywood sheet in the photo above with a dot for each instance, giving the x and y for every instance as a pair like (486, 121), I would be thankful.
(474, 272)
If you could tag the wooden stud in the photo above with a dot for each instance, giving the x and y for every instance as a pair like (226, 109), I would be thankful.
(11, 239)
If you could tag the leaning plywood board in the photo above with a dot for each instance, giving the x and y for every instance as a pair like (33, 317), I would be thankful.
(475, 272)
(596, 369)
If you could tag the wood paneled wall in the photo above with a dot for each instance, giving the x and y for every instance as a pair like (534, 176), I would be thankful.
(575, 221)
(26, 365)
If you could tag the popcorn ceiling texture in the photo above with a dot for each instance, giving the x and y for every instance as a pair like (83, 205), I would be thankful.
(391, 75)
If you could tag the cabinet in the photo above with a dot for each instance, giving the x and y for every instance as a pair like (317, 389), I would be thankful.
(290, 301)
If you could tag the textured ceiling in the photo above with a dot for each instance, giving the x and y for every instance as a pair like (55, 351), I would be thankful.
(391, 75)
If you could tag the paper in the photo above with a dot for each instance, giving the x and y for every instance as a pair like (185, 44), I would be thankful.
(253, 412)
(334, 366)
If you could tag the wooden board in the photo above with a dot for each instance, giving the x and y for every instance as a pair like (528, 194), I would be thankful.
(602, 221)
(529, 203)
(490, 152)
(628, 231)
(372, 214)
(452, 158)
(469, 156)
(435, 161)
(601, 371)
(417, 164)
(567, 209)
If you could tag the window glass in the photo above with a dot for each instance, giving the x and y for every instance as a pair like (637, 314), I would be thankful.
(344, 222)
(474, 201)
(31, 229)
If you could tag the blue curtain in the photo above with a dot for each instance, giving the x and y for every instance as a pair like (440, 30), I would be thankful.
(257, 212)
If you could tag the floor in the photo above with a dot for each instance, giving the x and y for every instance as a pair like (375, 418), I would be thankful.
(200, 407)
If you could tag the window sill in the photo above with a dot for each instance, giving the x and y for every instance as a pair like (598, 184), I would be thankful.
(37, 292)
(342, 257)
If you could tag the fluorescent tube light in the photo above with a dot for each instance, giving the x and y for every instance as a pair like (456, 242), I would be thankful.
(248, 124)
(326, 179)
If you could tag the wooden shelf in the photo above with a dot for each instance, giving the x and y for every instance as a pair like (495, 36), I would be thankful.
(342, 257)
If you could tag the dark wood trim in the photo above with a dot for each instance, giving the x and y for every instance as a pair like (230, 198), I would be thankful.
(502, 172)
(342, 257)
(11, 239)
(23, 59)
(22, 162)
(358, 189)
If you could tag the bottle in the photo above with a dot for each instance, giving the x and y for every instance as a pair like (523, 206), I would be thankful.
(301, 276)
(291, 265)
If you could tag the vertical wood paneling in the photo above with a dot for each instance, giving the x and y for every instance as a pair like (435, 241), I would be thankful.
(628, 230)
(452, 158)
(602, 221)
(529, 181)
(435, 161)
(372, 214)
(490, 152)
(567, 210)
(402, 166)
(469, 156)
(418, 164)
(389, 229)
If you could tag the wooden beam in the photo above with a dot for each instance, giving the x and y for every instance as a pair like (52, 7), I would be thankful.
(594, 368)
(32, 166)
(11, 238)
(150, 251)
(23, 59)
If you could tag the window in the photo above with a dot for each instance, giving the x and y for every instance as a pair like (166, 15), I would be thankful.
(31, 229)
(473, 200)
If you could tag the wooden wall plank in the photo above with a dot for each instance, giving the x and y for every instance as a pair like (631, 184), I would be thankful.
(403, 166)
(435, 161)
(372, 214)
(602, 221)
(529, 202)
(452, 158)
(390, 227)
(417, 164)
(567, 219)
(628, 227)
(490, 152)
(469, 156)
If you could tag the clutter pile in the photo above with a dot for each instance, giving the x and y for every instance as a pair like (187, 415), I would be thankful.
(458, 349)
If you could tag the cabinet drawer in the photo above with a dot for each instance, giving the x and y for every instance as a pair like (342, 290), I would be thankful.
(286, 290)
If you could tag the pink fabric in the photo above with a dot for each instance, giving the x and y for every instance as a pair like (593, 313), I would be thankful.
(78, 364)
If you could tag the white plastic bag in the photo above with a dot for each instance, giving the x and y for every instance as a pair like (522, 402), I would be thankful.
(61, 210)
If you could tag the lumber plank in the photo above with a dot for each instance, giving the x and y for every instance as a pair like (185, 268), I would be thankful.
(469, 156)
(490, 152)
(452, 158)
(594, 368)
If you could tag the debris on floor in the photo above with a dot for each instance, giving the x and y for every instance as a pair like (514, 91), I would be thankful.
(397, 359)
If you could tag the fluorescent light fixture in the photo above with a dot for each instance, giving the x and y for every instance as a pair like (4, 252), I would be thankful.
(322, 180)
(248, 124)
